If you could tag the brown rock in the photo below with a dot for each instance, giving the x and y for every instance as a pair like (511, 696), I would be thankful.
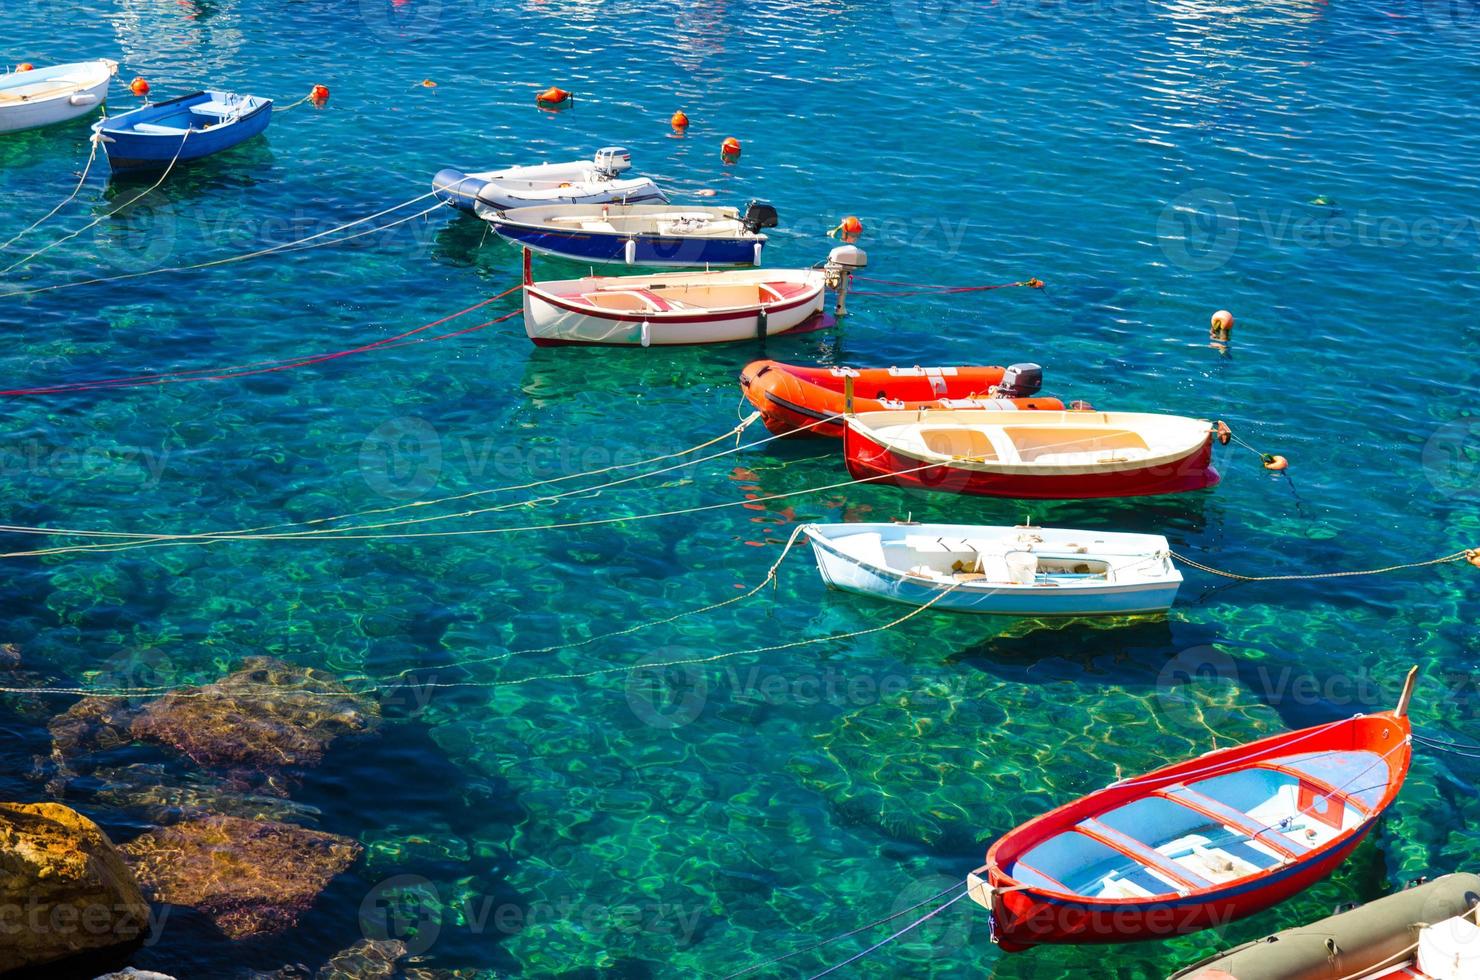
(63, 888)
(249, 876)
(265, 717)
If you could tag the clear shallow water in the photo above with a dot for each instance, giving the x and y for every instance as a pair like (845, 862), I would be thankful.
(1151, 162)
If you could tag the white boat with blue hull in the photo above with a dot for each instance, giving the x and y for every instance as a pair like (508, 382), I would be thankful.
(1007, 571)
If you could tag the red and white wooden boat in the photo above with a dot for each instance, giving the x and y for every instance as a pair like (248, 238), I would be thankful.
(1032, 455)
(1200, 843)
(813, 400)
(671, 308)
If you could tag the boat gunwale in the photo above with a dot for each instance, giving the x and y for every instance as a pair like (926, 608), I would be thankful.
(1239, 758)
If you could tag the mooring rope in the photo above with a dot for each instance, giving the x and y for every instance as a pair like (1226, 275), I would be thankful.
(852, 932)
(932, 289)
(144, 539)
(396, 681)
(295, 246)
(241, 370)
(140, 538)
(99, 220)
(1469, 554)
(889, 939)
(91, 156)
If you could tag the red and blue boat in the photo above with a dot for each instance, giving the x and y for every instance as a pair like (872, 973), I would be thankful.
(1197, 844)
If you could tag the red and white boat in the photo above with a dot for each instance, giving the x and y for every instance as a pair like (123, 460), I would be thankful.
(1032, 455)
(671, 308)
(813, 400)
(1197, 844)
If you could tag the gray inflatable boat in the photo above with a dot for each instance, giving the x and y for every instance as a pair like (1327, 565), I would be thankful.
(1366, 941)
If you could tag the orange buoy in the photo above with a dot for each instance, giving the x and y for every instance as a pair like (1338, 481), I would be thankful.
(428, 83)
(139, 87)
(1034, 283)
(1224, 433)
(730, 149)
(851, 226)
(1221, 328)
(25, 66)
(679, 120)
(319, 95)
(1275, 463)
(553, 97)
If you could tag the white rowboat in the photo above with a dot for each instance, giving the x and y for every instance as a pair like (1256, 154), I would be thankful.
(43, 96)
(671, 308)
(1010, 571)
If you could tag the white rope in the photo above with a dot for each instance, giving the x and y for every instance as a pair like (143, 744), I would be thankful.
(91, 156)
(286, 246)
(139, 539)
(99, 220)
(889, 939)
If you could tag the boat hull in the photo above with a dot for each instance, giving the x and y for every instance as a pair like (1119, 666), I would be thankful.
(1026, 918)
(134, 152)
(63, 107)
(647, 250)
(842, 571)
(1307, 797)
(868, 459)
(466, 191)
(550, 322)
(792, 403)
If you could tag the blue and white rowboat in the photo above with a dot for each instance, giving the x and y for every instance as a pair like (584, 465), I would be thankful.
(183, 129)
(43, 96)
(639, 234)
(1009, 571)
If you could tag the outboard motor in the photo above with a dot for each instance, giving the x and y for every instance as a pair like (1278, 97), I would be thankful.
(612, 160)
(841, 263)
(759, 215)
(1020, 381)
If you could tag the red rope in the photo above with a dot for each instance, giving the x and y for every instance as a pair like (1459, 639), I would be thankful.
(929, 289)
(266, 367)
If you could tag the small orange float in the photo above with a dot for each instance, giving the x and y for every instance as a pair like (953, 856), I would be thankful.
(25, 66)
(679, 120)
(139, 87)
(730, 149)
(1275, 463)
(554, 97)
(319, 95)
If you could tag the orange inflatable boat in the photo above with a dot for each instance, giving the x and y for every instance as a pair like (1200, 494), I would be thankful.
(792, 398)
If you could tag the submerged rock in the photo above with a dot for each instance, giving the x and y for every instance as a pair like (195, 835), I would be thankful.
(161, 795)
(368, 959)
(266, 717)
(129, 973)
(91, 725)
(63, 887)
(249, 876)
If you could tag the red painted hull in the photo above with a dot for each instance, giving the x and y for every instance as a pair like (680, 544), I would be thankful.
(810, 401)
(1027, 915)
(868, 459)
(1022, 920)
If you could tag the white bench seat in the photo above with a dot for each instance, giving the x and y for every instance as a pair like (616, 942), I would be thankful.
(154, 129)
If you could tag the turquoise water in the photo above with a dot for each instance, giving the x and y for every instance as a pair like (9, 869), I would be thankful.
(1309, 167)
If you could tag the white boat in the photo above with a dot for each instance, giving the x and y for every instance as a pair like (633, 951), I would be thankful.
(595, 181)
(43, 96)
(1010, 571)
(671, 308)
